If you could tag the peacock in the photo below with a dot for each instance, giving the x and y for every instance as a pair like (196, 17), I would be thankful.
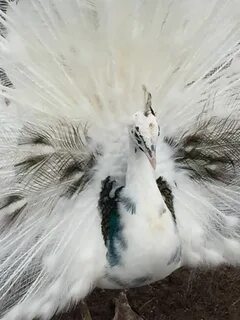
(119, 146)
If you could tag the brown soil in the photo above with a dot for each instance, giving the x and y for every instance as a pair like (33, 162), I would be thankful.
(185, 295)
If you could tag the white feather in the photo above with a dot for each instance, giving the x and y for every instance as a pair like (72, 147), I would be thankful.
(86, 61)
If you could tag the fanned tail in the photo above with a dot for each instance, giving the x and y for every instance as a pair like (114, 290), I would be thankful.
(67, 63)
(179, 51)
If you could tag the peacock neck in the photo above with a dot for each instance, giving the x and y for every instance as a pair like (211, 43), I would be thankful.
(140, 173)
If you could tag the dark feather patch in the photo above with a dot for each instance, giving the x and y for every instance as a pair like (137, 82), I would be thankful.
(79, 185)
(129, 205)
(166, 192)
(111, 224)
(10, 200)
(210, 151)
(66, 161)
(14, 215)
(5, 81)
(71, 171)
(53, 161)
(30, 162)
(107, 204)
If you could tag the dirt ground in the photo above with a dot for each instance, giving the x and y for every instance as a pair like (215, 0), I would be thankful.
(184, 295)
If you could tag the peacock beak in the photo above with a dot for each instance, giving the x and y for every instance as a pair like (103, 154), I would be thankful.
(151, 155)
(153, 162)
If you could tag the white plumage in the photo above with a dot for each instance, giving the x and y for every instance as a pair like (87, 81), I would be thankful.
(73, 77)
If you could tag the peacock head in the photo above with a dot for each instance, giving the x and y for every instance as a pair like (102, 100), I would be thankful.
(144, 131)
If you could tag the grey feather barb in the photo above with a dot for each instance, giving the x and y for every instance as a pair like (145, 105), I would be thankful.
(209, 151)
(59, 163)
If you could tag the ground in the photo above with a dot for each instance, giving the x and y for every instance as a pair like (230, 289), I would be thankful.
(184, 295)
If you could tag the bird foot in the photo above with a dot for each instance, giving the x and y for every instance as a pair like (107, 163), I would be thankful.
(123, 311)
(85, 313)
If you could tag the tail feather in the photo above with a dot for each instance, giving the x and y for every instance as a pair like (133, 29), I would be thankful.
(64, 64)
(207, 164)
(51, 159)
(210, 151)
